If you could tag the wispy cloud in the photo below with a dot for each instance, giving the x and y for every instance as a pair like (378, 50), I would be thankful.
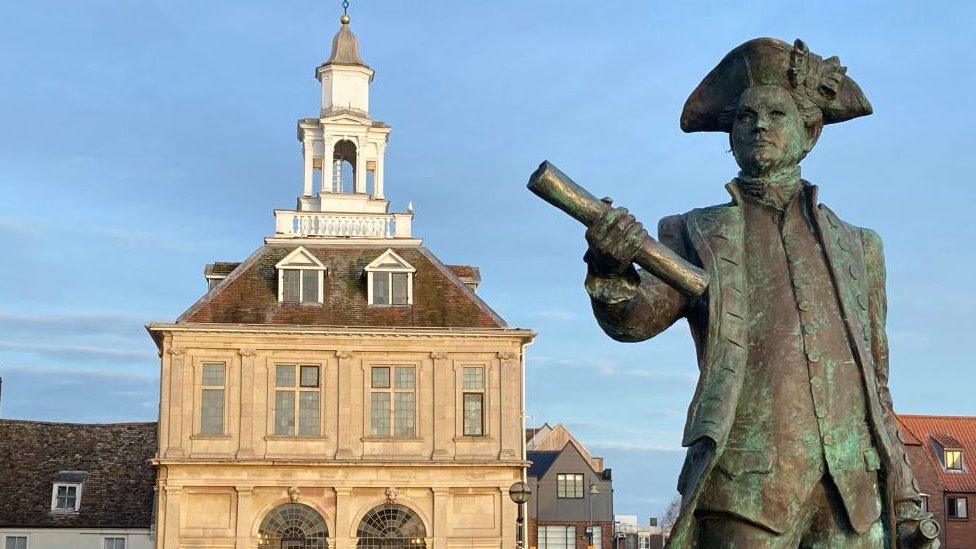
(633, 447)
(555, 314)
(73, 324)
(78, 351)
(613, 368)
(80, 374)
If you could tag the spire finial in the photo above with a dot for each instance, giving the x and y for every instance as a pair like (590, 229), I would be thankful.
(345, 13)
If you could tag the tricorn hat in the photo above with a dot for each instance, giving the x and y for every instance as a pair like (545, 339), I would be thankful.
(767, 61)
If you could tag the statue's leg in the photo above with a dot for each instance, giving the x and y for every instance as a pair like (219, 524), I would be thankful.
(831, 528)
(724, 531)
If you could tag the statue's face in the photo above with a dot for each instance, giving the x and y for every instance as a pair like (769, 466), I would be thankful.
(768, 132)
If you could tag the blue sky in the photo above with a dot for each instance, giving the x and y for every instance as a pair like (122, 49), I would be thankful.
(142, 140)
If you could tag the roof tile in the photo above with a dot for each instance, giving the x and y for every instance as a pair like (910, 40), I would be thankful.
(960, 430)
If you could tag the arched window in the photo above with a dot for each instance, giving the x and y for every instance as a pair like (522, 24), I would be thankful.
(343, 166)
(391, 526)
(293, 526)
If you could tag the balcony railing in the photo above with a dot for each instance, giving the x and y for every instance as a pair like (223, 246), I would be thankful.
(303, 224)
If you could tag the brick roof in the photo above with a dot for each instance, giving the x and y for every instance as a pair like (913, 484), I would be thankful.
(249, 295)
(954, 432)
(117, 491)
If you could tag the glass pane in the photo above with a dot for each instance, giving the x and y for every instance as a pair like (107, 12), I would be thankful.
(381, 377)
(284, 412)
(578, 486)
(381, 288)
(285, 375)
(404, 377)
(308, 413)
(212, 412)
(399, 288)
(403, 415)
(16, 542)
(597, 537)
(213, 374)
(380, 414)
(310, 376)
(473, 377)
(290, 285)
(473, 416)
(310, 286)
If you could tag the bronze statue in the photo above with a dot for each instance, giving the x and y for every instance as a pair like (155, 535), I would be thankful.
(791, 437)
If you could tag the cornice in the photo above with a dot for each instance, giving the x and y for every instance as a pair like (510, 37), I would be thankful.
(350, 332)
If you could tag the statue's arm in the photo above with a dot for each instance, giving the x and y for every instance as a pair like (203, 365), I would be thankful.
(901, 476)
(636, 306)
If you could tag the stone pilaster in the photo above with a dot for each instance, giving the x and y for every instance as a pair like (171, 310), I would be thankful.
(348, 393)
(343, 520)
(178, 402)
(246, 444)
(244, 498)
(444, 404)
(170, 537)
(440, 526)
(510, 389)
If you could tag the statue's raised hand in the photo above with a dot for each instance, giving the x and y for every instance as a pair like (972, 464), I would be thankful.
(614, 239)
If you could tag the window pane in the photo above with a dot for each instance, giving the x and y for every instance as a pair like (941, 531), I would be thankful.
(953, 460)
(403, 415)
(290, 285)
(310, 286)
(404, 377)
(380, 414)
(473, 414)
(213, 374)
(114, 543)
(310, 376)
(399, 288)
(308, 413)
(16, 542)
(285, 375)
(472, 377)
(597, 535)
(380, 377)
(578, 486)
(284, 412)
(381, 288)
(212, 412)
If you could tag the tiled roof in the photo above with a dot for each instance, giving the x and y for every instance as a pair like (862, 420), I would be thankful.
(249, 295)
(961, 431)
(541, 462)
(468, 272)
(220, 268)
(112, 460)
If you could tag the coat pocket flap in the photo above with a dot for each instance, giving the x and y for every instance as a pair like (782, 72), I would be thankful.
(871, 460)
(741, 460)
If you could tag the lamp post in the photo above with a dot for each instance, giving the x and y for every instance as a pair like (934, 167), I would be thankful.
(520, 492)
(589, 529)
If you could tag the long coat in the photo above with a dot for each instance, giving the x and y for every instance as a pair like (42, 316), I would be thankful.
(712, 238)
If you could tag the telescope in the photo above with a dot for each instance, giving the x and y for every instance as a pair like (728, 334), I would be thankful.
(558, 189)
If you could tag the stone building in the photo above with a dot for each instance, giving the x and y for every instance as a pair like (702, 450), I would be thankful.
(341, 387)
(78, 486)
(571, 506)
(942, 450)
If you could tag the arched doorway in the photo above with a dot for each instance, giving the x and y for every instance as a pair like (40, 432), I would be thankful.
(293, 526)
(391, 526)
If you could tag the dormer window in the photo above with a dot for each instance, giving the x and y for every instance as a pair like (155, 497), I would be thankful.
(953, 459)
(301, 277)
(66, 492)
(390, 280)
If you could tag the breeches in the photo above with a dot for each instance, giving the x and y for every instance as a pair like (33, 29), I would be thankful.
(822, 524)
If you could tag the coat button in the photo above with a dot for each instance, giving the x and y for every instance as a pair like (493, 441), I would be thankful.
(820, 412)
(842, 243)
(809, 329)
(804, 304)
(853, 270)
(827, 439)
(813, 355)
(862, 302)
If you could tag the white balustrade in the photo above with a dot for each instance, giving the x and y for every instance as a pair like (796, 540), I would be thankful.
(297, 223)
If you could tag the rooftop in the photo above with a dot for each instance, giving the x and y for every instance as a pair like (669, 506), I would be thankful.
(952, 433)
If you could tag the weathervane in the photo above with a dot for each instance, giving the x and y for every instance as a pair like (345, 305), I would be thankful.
(345, 12)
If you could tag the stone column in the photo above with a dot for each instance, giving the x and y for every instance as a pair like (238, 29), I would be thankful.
(170, 538)
(177, 403)
(378, 176)
(510, 418)
(444, 395)
(343, 520)
(347, 396)
(509, 515)
(359, 178)
(246, 437)
(441, 526)
(244, 494)
(308, 152)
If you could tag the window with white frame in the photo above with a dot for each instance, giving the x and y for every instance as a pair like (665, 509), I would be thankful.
(66, 497)
(212, 381)
(389, 280)
(297, 396)
(473, 400)
(953, 460)
(113, 542)
(301, 277)
(643, 542)
(556, 537)
(569, 485)
(393, 401)
(595, 535)
(15, 541)
(924, 502)
(957, 507)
